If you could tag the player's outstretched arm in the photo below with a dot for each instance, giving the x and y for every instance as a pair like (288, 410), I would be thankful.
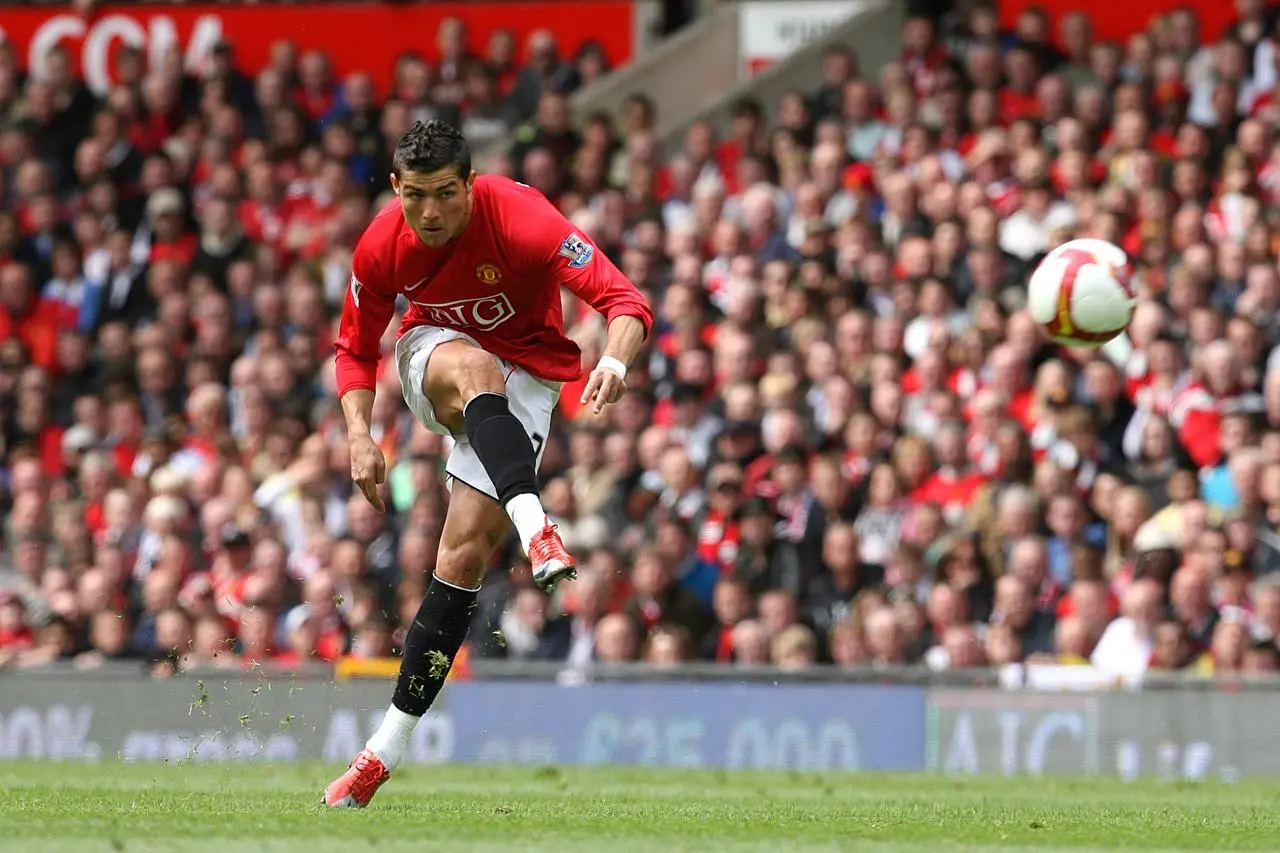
(368, 465)
(594, 279)
(548, 241)
(365, 315)
(607, 382)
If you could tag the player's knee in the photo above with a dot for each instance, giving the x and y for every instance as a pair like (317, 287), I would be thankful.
(456, 373)
(462, 565)
(478, 373)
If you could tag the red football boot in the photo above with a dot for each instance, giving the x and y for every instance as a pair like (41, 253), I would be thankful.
(551, 562)
(356, 787)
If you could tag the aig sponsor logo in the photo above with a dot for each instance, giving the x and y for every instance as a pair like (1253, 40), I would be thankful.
(485, 313)
(977, 731)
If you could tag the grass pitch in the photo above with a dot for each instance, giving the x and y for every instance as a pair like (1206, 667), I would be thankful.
(229, 809)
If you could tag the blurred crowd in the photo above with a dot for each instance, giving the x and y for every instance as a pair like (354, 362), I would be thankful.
(172, 260)
(846, 443)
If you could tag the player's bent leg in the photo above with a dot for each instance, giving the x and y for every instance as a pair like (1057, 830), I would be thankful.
(473, 528)
(467, 389)
(457, 372)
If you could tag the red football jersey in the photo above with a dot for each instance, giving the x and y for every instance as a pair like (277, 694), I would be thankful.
(498, 282)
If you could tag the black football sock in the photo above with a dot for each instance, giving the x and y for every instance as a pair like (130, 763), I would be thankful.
(431, 645)
(504, 448)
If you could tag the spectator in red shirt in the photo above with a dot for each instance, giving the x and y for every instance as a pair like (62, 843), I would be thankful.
(719, 529)
(27, 317)
(731, 605)
(1018, 97)
(170, 241)
(15, 634)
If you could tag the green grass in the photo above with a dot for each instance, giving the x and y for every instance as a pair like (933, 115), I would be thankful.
(233, 808)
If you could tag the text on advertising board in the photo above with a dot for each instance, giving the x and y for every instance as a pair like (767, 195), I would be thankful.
(772, 31)
(756, 726)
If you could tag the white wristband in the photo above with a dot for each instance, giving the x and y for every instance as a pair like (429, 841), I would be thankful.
(608, 362)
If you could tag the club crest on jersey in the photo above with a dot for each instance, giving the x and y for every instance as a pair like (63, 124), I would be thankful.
(489, 273)
(577, 250)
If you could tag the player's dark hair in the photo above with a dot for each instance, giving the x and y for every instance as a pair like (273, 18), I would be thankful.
(431, 147)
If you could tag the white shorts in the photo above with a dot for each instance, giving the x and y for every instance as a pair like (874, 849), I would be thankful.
(532, 401)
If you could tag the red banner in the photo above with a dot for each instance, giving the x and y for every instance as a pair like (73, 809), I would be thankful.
(357, 36)
(1118, 21)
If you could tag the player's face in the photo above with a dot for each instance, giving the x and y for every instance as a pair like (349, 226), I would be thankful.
(437, 205)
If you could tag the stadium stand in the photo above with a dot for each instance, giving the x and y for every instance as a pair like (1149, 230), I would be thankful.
(848, 443)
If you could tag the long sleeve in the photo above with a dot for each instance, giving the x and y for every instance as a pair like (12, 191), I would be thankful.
(595, 279)
(548, 240)
(366, 311)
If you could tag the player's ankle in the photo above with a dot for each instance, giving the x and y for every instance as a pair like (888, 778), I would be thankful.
(390, 753)
(528, 516)
(391, 740)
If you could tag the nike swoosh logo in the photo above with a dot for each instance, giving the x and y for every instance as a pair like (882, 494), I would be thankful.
(415, 285)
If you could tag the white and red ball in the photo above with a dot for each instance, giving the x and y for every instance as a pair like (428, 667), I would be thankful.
(1081, 293)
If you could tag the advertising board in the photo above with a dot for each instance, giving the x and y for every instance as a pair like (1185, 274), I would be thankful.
(749, 726)
(1170, 734)
(1118, 21)
(356, 36)
(771, 31)
(1192, 734)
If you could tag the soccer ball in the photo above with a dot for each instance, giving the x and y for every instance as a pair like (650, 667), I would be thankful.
(1081, 295)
